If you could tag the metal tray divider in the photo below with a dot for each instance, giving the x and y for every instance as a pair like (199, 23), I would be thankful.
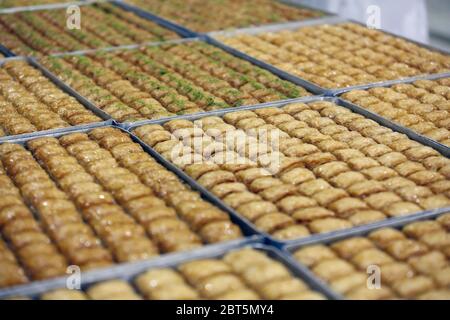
(314, 238)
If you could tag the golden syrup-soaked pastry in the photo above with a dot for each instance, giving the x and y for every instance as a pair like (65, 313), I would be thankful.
(428, 263)
(291, 232)
(112, 290)
(444, 220)
(383, 237)
(408, 167)
(291, 203)
(237, 199)
(366, 188)
(332, 269)
(154, 280)
(438, 239)
(412, 287)
(376, 150)
(219, 284)
(365, 293)
(346, 283)
(299, 149)
(435, 202)
(331, 169)
(306, 295)
(64, 294)
(297, 176)
(392, 159)
(312, 213)
(257, 275)
(197, 170)
(256, 209)
(247, 176)
(362, 163)
(439, 294)
(275, 290)
(311, 255)
(263, 183)
(311, 187)
(379, 173)
(223, 189)
(165, 225)
(241, 294)
(313, 160)
(11, 274)
(198, 270)
(401, 209)
(442, 277)
(392, 272)
(418, 229)
(327, 196)
(240, 260)
(404, 249)
(346, 206)
(175, 292)
(425, 177)
(382, 199)
(278, 192)
(397, 183)
(362, 217)
(219, 231)
(347, 154)
(371, 256)
(352, 246)
(328, 225)
(273, 221)
(347, 179)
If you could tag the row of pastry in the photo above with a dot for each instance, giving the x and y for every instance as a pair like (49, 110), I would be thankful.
(172, 79)
(341, 55)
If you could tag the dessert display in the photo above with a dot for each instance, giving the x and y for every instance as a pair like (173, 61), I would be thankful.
(91, 200)
(243, 274)
(102, 25)
(227, 14)
(305, 168)
(30, 102)
(413, 262)
(423, 106)
(340, 55)
(167, 80)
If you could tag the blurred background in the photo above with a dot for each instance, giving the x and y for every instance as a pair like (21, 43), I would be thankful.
(426, 21)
